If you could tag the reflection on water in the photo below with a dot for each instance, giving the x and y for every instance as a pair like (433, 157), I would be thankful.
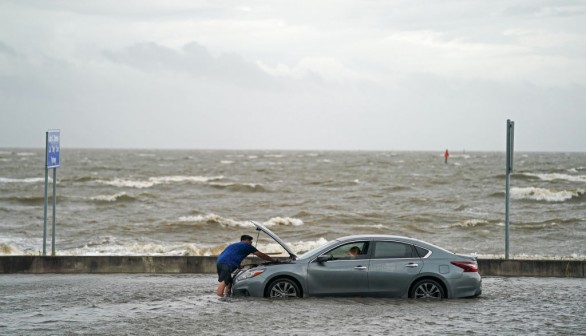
(186, 304)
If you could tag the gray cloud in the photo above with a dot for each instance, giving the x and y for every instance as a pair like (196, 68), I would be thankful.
(355, 75)
(8, 51)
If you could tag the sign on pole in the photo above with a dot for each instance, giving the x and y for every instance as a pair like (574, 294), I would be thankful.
(53, 148)
(52, 161)
(508, 170)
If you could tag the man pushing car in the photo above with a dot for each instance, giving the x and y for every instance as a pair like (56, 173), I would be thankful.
(229, 260)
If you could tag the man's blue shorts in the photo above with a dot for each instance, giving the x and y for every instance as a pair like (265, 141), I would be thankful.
(225, 273)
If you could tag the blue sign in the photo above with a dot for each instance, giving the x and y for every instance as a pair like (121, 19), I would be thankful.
(53, 148)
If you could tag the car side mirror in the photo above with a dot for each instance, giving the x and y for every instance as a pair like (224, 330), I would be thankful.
(325, 257)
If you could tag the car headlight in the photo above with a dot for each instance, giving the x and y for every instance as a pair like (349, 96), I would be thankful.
(251, 273)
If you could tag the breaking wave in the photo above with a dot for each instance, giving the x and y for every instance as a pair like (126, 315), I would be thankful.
(469, 223)
(24, 180)
(279, 221)
(541, 194)
(111, 246)
(226, 222)
(373, 226)
(299, 247)
(557, 176)
(246, 187)
(113, 198)
(215, 219)
(140, 184)
(7, 249)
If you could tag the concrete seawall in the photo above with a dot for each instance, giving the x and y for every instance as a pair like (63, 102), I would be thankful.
(181, 264)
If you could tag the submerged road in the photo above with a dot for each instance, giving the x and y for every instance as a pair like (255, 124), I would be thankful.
(123, 304)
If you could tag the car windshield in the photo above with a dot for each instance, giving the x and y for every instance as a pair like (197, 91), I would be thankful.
(313, 251)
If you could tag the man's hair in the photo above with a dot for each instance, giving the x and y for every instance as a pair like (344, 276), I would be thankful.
(245, 237)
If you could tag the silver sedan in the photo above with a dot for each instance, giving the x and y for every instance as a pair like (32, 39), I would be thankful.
(364, 265)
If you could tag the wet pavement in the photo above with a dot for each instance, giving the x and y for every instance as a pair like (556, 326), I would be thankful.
(117, 304)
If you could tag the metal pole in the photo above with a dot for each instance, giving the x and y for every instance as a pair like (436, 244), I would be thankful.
(54, 210)
(45, 212)
(46, 196)
(507, 198)
(509, 169)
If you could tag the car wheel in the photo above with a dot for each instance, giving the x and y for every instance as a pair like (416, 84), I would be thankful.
(427, 289)
(283, 288)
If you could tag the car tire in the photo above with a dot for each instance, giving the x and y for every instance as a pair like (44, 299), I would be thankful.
(427, 289)
(283, 288)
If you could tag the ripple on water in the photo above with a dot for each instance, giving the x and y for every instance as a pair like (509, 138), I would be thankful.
(114, 304)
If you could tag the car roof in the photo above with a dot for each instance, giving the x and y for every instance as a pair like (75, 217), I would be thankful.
(364, 236)
(391, 237)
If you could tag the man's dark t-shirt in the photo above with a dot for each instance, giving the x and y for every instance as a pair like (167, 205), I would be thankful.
(233, 254)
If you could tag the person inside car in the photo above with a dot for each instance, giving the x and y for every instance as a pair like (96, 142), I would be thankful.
(354, 251)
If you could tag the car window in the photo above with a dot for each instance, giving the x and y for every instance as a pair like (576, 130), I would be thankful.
(422, 252)
(354, 250)
(389, 249)
(313, 251)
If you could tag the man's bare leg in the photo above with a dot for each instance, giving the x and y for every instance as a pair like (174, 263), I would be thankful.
(221, 288)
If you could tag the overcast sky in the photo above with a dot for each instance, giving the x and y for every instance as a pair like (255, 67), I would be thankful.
(339, 74)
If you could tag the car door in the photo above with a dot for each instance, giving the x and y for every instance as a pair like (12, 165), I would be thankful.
(393, 267)
(342, 274)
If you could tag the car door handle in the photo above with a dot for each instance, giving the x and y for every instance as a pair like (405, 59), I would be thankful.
(361, 268)
(412, 265)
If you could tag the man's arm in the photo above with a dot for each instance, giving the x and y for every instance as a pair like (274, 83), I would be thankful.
(264, 256)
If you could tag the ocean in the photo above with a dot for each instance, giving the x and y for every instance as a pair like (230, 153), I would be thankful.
(194, 202)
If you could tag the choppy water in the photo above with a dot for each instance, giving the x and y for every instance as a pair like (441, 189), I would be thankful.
(187, 305)
(164, 202)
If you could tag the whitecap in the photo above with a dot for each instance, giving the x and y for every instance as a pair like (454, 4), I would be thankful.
(134, 248)
(298, 247)
(227, 222)
(558, 176)
(470, 223)
(121, 183)
(24, 180)
(108, 198)
(374, 226)
(215, 219)
(8, 249)
(541, 194)
(283, 221)
(171, 179)
(152, 181)
(304, 246)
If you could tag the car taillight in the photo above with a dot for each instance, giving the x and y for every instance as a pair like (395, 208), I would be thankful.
(467, 266)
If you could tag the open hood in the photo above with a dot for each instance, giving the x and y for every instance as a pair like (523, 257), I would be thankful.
(260, 227)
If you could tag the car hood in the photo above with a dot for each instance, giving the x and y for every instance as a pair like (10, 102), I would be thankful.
(260, 227)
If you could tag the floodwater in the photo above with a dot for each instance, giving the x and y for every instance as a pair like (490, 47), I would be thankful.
(126, 304)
